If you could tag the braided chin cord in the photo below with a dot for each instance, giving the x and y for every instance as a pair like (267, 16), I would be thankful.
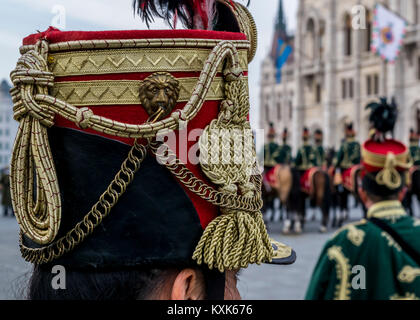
(231, 241)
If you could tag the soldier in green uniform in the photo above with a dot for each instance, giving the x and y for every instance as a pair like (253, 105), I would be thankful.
(271, 150)
(414, 147)
(319, 159)
(349, 152)
(348, 155)
(305, 158)
(285, 151)
(378, 257)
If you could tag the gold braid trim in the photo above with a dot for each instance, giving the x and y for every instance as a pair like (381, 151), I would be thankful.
(408, 296)
(388, 176)
(343, 273)
(119, 92)
(39, 220)
(135, 43)
(112, 61)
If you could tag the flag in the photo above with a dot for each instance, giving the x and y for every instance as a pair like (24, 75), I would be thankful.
(388, 33)
(283, 53)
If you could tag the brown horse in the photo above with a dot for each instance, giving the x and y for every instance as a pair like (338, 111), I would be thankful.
(319, 197)
(269, 194)
(283, 186)
(280, 189)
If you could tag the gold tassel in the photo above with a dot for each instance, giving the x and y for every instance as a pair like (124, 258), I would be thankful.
(233, 241)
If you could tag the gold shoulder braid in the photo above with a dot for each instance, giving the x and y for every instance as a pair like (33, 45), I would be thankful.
(231, 241)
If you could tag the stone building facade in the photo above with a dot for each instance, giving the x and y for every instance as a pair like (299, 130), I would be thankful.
(8, 126)
(333, 74)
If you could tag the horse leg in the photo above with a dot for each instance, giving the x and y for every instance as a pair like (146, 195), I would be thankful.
(287, 222)
(408, 203)
(321, 198)
(299, 217)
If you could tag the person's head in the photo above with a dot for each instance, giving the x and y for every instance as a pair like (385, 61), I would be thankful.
(305, 134)
(271, 133)
(414, 137)
(370, 192)
(318, 136)
(349, 131)
(285, 135)
(129, 284)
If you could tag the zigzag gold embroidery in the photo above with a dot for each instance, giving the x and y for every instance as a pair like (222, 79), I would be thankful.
(110, 92)
(343, 273)
(408, 274)
(355, 235)
(391, 241)
(133, 60)
(408, 296)
(358, 223)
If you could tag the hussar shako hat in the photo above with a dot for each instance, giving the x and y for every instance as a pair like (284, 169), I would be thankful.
(124, 155)
(318, 134)
(285, 134)
(271, 131)
(305, 133)
(350, 130)
(384, 159)
(414, 137)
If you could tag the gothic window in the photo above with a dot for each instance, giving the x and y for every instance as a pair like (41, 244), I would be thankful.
(347, 35)
(351, 93)
(376, 84)
(369, 85)
(290, 110)
(318, 93)
(343, 89)
(310, 41)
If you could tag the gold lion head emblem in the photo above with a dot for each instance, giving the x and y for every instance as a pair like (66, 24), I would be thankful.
(159, 93)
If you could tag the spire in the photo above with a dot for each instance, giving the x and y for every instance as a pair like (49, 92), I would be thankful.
(280, 20)
(280, 30)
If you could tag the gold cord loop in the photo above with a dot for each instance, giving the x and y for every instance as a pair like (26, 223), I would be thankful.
(389, 176)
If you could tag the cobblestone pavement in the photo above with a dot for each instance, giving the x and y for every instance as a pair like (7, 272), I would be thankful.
(265, 282)
(13, 269)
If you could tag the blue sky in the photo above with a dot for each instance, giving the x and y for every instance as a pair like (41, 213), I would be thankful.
(19, 18)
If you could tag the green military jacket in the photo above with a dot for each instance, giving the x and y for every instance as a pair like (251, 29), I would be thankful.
(319, 159)
(271, 154)
(389, 272)
(415, 153)
(348, 155)
(285, 154)
(305, 158)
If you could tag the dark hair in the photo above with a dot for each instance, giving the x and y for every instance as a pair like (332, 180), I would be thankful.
(380, 192)
(130, 284)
